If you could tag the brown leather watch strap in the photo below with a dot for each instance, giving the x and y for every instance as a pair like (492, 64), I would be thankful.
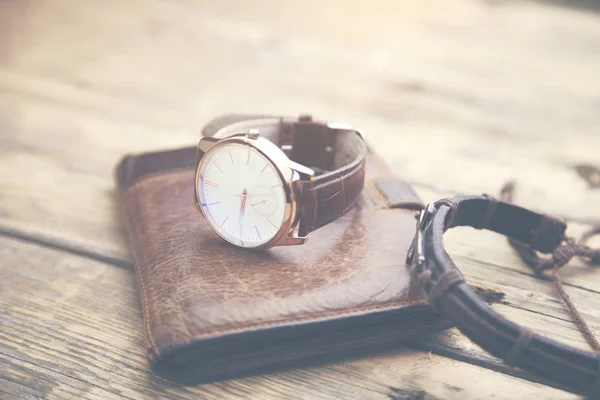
(565, 367)
(335, 152)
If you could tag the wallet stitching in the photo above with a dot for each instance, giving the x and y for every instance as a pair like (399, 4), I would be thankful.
(150, 336)
(146, 303)
(305, 319)
(154, 176)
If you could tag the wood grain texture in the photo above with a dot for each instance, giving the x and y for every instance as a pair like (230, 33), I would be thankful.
(458, 97)
(71, 329)
(496, 92)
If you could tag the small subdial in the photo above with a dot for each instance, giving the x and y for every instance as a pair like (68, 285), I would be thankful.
(263, 200)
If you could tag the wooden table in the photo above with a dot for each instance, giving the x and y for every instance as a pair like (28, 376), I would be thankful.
(457, 96)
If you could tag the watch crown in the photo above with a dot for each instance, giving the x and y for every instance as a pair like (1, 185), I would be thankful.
(305, 117)
(252, 134)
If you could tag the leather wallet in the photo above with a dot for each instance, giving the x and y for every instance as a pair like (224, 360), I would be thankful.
(213, 311)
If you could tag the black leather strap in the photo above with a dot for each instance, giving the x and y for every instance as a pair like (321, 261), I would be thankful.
(570, 368)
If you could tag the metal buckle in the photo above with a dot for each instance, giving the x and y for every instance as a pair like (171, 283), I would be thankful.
(416, 253)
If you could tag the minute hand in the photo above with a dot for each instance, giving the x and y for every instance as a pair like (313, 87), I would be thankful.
(242, 208)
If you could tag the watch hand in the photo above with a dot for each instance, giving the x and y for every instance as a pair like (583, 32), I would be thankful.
(242, 208)
(260, 202)
(255, 194)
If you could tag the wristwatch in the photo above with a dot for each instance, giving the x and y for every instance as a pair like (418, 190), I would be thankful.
(557, 364)
(270, 181)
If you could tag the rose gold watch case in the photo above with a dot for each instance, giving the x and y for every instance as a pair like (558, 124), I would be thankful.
(292, 176)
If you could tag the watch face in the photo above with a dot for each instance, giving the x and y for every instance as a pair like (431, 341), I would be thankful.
(241, 194)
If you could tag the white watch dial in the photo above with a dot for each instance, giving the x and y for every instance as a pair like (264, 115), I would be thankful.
(241, 194)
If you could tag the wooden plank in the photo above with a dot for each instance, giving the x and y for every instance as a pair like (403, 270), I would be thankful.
(457, 97)
(443, 109)
(72, 329)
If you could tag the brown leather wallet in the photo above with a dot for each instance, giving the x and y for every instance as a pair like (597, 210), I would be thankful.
(562, 366)
(212, 310)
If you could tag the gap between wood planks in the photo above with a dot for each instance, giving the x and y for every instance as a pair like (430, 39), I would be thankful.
(443, 350)
(431, 344)
(95, 308)
(55, 243)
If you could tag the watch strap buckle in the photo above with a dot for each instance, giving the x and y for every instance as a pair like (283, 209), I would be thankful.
(416, 252)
